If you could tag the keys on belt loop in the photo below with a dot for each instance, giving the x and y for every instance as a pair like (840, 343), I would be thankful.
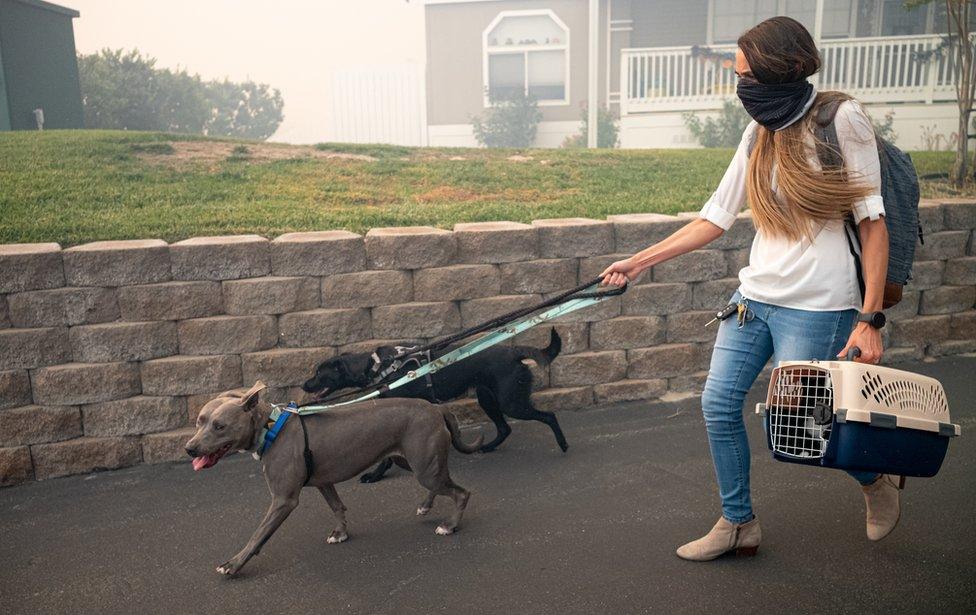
(743, 313)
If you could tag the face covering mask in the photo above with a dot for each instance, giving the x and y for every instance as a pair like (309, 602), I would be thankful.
(775, 105)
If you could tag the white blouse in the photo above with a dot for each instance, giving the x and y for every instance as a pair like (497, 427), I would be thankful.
(817, 274)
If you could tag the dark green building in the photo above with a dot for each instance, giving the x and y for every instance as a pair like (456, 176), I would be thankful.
(38, 66)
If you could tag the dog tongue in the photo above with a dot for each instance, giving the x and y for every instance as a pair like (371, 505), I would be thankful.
(201, 462)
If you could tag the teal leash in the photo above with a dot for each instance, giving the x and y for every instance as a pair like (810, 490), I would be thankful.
(495, 336)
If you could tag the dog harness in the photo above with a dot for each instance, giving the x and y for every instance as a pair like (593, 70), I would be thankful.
(276, 421)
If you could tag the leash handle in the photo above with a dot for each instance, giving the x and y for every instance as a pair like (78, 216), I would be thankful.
(853, 353)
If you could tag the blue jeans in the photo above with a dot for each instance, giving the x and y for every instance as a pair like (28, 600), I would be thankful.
(784, 334)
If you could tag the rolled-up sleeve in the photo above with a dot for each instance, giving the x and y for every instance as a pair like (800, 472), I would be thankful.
(855, 135)
(721, 208)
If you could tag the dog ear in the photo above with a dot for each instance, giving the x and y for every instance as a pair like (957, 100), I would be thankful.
(250, 398)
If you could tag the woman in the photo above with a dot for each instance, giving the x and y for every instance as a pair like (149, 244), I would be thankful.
(799, 297)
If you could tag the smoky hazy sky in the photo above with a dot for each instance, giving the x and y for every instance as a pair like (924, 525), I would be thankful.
(291, 44)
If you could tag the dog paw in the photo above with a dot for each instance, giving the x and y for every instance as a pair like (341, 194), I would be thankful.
(228, 569)
(486, 449)
(564, 447)
(369, 478)
(336, 537)
(443, 530)
(422, 510)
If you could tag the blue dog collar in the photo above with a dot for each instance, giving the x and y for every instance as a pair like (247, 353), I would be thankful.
(270, 434)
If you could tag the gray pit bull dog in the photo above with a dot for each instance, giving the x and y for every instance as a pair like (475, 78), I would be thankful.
(343, 442)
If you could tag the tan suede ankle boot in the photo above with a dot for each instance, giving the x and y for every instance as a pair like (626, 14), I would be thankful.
(883, 505)
(743, 538)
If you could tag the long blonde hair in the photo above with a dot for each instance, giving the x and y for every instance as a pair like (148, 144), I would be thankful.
(781, 50)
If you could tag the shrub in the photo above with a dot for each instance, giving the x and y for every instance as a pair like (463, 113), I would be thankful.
(606, 129)
(724, 131)
(510, 121)
(885, 129)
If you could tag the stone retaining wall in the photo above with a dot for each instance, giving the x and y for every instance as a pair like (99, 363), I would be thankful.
(108, 350)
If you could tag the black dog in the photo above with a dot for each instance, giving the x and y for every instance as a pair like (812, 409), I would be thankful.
(502, 382)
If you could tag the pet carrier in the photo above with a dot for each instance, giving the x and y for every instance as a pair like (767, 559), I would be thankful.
(855, 416)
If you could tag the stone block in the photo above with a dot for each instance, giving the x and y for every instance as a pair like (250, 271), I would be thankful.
(63, 306)
(134, 416)
(657, 299)
(951, 347)
(270, 295)
(574, 336)
(629, 390)
(15, 389)
(15, 466)
(190, 375)
(961, 271)
(926, 275)
(84, 383)
(591, 267)
(221, 258)
(170, 301)
(456, 282)
(696, 266)
(906, 308)
(737, 260)
(39, 424)
(604, 310)
(942, 245)
(691, 383)
(282, 367)
(587, 368)
(634, 232)
(920, 331)
(947, 299)
(931, 217)
(960, 214)
(714, 294)
(665, 361)
(30, 266)
(557, 400)
(123, 341)
(324, 327)
(416, 320)
(83, 455)
(219, 335)
(900, 355)
(166, 446)
(29, 348)
(409, 247)
(367, 289)
(539, 276)
(496, 242)
(690, 327)
(317, 253)
(627, 332)
(477, 311)
(573, 237)
(962, 326)
(117, 263)
(4, 313)
(971, 251)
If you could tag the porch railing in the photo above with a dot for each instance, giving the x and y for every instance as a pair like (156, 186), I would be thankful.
(882, 69)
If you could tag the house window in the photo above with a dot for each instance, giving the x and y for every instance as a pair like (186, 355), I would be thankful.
(528, 52)
(838, 19)
(730, 18)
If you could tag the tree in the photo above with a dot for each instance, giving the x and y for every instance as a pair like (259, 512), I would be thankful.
(959, 43)
(125, 91)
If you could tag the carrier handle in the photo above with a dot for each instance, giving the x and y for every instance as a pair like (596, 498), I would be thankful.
(853, 353)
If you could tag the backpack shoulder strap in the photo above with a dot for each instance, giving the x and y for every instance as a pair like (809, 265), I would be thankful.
(828, 146)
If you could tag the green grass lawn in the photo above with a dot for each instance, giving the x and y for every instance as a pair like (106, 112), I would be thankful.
(78, 186)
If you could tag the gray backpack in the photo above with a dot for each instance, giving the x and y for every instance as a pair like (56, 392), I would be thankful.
(900, 192)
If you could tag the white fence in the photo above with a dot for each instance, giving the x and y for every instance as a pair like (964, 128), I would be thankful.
(378, 105)
(883, 69)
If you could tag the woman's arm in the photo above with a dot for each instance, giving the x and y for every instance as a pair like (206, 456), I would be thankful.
(874, 266)
(691, 236)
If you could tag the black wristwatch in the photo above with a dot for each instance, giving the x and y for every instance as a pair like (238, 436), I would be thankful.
(875, 319)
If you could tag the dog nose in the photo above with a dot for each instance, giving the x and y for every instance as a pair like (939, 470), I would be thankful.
(192, 452)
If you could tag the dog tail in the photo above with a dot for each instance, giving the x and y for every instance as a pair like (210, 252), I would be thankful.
(544, 356)
(452, 426)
